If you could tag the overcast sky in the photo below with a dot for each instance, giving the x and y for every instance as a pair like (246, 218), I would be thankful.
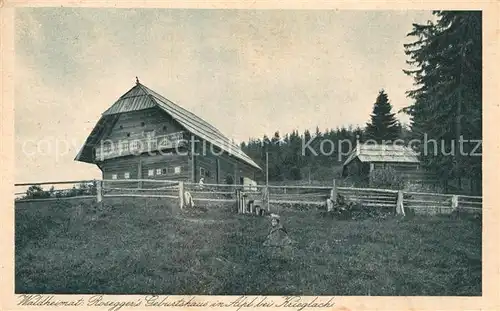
(249, 73)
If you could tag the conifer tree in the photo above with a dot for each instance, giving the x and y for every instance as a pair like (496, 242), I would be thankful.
(447, 57)
(383, 126)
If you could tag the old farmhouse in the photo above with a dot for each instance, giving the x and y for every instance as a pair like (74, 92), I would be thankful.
(143, 135)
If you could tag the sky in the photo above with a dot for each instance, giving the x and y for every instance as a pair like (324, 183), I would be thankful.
(247, 72)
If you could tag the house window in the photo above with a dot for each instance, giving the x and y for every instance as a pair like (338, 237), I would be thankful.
(158, 171)
(177, 170)
(107, 148)
(124, 146)
(164, 171)
(152, 145)
(114, 176)
(151, 172)
(126, 175)
(135, 145)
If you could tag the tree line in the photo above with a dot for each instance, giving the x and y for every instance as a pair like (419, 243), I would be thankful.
(319, 155)
(445, 61)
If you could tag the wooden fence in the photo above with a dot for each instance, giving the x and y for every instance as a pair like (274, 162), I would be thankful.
(255, 197)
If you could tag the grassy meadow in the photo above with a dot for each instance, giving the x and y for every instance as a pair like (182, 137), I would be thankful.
(140, 246)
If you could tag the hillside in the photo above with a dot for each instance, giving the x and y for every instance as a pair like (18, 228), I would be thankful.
(138, 246)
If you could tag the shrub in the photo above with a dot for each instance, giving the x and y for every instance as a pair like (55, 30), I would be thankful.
(87, 188)
(344, 210)
(295, 173)
(36, 192)
(353, 181)
(422, 187)
(386, 178)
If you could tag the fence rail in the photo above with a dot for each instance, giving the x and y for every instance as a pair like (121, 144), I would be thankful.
(55, 182)
(258, 195)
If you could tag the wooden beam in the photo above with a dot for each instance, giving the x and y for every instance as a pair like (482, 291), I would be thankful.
(236, 180)
(55, 182)
(165, 181)
(217, 170)
(368, 189)
(213, 200)
(399, 204)
(139, 172)
(193, 167)
(56, 199)
(141, 196)
(181, 195)
(99, 191)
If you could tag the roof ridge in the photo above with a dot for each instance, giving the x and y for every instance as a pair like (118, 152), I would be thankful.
(205, 123)
(125, 94)
(156, 94)
(212, 134)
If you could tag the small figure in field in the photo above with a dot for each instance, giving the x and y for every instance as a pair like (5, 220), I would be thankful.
(201, 182)
(329, 204)
(188, 200)
(278, 235)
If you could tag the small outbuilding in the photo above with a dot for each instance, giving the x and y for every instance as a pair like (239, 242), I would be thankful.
(366, 157)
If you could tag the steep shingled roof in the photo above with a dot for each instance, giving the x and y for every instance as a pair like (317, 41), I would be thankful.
(141, 97)
(383, 153)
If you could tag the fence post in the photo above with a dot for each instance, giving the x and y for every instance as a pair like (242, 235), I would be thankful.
(454, 203)
(238, 200)
(243, 202)
(333, 198)
(333, 193)
(99, 191)
(181, 194)
(399, 204)
(267, 198)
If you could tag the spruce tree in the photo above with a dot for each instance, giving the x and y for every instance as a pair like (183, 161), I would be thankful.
(383, 126)
(447, 57)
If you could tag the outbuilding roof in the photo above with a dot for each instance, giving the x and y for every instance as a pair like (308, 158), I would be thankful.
(141, 97)
(382, 153)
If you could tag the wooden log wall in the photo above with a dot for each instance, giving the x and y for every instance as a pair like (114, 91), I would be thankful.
(132, 125)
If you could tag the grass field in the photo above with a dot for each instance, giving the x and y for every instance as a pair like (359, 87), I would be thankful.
(139, 246)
